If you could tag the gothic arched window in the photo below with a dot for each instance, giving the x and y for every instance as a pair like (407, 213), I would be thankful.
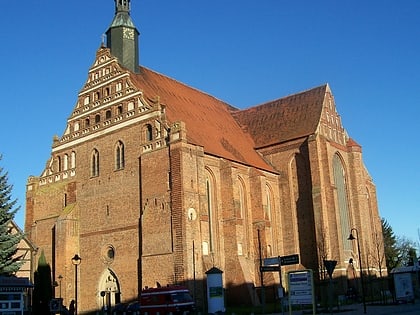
(94, 165)
(242, 201)
(211, 210)
(269, 203)
(149, 133)
(73, 160)
(119, 156)
(58, 164)
(66, 162)
(342, 199)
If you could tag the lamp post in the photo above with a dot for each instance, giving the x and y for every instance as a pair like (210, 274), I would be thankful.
(352, 238)
(76, 260)
(103, 293)
(60, 278)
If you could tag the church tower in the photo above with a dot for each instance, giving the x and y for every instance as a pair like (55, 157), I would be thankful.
(122, 37)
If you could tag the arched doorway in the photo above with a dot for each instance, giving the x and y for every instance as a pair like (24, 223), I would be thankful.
(109, 293)
(352, 289)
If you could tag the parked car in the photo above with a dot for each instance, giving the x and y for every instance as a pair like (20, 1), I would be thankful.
(133, 308)
(118, 308)
(174, 300)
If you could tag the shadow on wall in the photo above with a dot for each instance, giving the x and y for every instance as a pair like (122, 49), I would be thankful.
(249, 297)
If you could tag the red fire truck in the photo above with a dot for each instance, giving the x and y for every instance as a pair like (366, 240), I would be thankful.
(169, 300)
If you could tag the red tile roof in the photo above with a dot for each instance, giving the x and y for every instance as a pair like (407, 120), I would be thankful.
(208, 120)
(228, 132)
(287, 118)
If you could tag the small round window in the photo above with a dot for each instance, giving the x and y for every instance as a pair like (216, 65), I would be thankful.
(108, 253)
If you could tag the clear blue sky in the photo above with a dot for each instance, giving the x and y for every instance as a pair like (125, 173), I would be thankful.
(244, 52)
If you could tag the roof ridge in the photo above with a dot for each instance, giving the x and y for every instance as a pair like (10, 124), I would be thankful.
(291, 117)
(323, 86)
(209, 120)
(185, 85)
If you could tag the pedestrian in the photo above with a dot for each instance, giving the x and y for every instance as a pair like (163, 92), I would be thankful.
(72, 307)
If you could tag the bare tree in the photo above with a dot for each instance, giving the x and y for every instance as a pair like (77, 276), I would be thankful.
(322, 247)
(406, 248)
(418, 241)
(378, 254)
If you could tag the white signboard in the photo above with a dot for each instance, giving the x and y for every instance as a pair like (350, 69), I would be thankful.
(301, 289)
(403, 287)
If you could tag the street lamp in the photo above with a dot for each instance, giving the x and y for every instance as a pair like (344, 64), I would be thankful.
(76, 260)
(352, 238)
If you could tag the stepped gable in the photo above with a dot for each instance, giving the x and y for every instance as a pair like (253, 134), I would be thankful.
(208, 120)
(285, 119)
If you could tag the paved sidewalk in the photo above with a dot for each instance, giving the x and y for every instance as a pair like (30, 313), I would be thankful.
(357, 309)
(389, 309)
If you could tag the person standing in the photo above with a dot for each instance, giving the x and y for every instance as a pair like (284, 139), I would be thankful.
(72, 307)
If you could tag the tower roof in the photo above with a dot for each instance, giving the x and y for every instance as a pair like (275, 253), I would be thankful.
(122, 14)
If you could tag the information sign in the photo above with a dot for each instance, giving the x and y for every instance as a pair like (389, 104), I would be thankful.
(270, 268)
(301, 287)
(271, 261)
(289, 260)
(282, 260)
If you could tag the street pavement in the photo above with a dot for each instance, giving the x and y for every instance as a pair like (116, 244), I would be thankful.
(357, 309)
(388, 309)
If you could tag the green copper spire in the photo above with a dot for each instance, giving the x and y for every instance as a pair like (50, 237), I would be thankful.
(122, 14)
(122, 36)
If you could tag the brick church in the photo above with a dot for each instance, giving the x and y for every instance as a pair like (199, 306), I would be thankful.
(156, 181)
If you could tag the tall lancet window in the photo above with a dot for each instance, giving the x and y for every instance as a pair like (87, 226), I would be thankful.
(119, 156)
(211, 208)
(73, 160)
(342, 199)
(94, 163)
(66, 162)
(241, 204)
(269, 203)
(149, 132)
(59, 164)
(242, 213)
